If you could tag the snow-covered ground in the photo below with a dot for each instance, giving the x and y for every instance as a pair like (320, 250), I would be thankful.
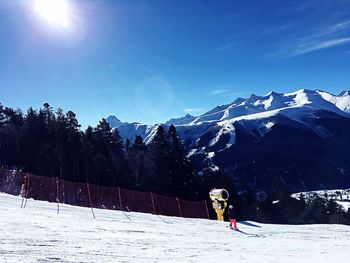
(38, 234)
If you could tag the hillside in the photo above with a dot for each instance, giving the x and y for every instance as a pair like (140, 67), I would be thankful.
(38, 234)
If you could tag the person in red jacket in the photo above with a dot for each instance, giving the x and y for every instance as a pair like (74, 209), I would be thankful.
(231, 217)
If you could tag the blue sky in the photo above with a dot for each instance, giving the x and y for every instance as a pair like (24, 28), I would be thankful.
(148, 61)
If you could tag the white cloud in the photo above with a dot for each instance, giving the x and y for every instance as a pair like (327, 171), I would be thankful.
(193, 110)
(276, 30)
(226, 91)
(340, 26)
(227, 46)
(320, 38)
(219, 91)
(323, 44)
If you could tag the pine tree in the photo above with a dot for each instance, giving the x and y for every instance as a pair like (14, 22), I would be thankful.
(136, 165)
(72, 146)
(180, 170)
(60, 142)
(139, 144)
(160, 154)
(127, 144)
(10, 125)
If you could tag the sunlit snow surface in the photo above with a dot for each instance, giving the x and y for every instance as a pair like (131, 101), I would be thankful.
(38, 234)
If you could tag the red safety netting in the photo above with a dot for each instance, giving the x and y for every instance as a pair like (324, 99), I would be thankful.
(75, 194)
(11, 181)
(54, 190)
(104, 197)
(136, 201)
(193, 209)
(166, 205)
(42, 188)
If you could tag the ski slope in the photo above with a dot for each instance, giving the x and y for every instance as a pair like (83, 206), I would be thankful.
(38, 234)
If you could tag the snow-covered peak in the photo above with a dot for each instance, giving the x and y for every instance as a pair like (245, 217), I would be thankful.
(344, 93)
(181, 121)
(295, 103)
(114, 122)
(342, 101)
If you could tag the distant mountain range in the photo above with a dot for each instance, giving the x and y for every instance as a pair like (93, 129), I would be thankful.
(298, 140)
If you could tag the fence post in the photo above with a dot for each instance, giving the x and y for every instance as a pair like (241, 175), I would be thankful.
(178, 205)
(120, 198)
(57, 198)
(27, 190)
(24, 188)
(120, 203)
(154, 207)
(88, 188)
(206, 207)
(27, 186)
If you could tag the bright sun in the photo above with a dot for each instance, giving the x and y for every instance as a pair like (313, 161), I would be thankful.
(53, 12)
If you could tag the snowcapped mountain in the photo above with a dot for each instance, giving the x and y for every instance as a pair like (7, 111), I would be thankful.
(131, 130)
(188, 118)
(258, 126)
(114, 121)
(254, 113)
(293, 105)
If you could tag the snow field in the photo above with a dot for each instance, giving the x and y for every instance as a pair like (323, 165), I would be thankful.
(38, 234)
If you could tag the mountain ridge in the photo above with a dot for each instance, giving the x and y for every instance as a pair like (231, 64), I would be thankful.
(295, 105)
(256, 102)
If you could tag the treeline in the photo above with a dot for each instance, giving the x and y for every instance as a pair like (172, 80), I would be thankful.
(51, 143)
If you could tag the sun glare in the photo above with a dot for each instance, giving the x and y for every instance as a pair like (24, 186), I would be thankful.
(53, 12)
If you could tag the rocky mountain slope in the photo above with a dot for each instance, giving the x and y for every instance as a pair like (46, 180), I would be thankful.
(300, 139)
